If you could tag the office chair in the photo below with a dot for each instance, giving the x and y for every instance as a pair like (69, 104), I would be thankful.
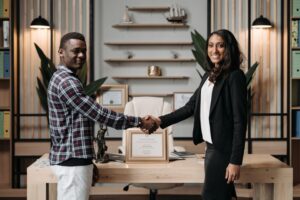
(156, 106)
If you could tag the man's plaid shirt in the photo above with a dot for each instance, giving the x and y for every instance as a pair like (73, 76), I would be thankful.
(71, 114)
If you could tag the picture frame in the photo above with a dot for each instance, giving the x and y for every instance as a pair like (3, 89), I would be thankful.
(146, 148)
(113, 97)
(180, 99)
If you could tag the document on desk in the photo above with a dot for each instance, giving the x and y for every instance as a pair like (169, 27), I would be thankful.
(147, 145)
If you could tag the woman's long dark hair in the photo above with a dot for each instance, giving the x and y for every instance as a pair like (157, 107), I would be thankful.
(232, 55)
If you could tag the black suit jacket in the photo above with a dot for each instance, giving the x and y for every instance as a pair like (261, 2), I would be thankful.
(228, 115)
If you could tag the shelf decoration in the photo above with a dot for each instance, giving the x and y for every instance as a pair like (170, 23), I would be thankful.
(127, 19)
(176, 14)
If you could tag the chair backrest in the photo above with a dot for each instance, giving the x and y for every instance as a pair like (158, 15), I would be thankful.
(142, 106)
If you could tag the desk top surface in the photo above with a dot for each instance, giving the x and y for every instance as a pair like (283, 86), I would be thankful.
(250, 161)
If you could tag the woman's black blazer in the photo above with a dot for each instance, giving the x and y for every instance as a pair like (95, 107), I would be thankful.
(227, 118)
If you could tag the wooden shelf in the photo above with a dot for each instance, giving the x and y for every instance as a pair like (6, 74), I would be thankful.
(149, 8)
(163, 25)
(295, 107)
(120, 43)
(4, 108)
(4, 79)
(295, 138)
(4, 139)
(295, 18)
(150, 60)
(151, 95)
(150, 77)
(4, 18)
(12, 192)
(295, 78)
(4, 48)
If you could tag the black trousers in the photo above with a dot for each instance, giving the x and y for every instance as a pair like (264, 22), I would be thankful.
(215, 184)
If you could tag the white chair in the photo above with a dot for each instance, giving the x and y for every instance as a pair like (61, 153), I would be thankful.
(156, 106)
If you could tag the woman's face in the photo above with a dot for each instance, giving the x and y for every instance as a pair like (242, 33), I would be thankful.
(216, 49)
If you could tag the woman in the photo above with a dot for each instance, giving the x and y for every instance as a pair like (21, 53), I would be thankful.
(220, 116)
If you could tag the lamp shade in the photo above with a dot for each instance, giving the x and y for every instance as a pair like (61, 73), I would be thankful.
(39, 22)
(261, 22)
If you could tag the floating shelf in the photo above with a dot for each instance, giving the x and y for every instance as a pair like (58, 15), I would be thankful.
(4, 108)
(295, 107)
(165, 25)
(151, 95)
(150, 8)
(151, 60)
(4, 18)
(4, 79)
(4, 48)
(150, 77)
(295, 78)
(295, 138)
(149, 43)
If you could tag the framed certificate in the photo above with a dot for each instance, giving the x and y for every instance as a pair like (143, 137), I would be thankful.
(113, 97)
(143, 148)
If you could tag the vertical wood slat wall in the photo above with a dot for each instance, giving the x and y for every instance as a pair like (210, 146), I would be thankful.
(69, 15)
(266, 49)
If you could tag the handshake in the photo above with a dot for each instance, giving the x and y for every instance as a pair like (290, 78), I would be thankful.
(149, 124)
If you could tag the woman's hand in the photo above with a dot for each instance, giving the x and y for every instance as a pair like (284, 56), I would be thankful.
(232, 173)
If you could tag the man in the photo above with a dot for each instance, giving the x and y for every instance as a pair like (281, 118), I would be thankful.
(71, 116)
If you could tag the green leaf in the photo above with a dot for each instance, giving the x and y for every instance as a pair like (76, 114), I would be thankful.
(250, 74)
(82, 75)
(91, 88)
(200, 49)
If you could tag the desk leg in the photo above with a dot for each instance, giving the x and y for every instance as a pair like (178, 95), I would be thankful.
(262, 191)
(36, 191)
(283, 191)
(52, 191)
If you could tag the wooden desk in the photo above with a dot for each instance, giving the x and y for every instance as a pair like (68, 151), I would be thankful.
(272, 179)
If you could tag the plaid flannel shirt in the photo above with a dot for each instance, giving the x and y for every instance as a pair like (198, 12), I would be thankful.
(71, 116)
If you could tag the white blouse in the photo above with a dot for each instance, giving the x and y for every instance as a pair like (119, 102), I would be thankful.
(206, 93)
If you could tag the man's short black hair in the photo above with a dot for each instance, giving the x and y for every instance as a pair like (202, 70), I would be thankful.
(71, 35)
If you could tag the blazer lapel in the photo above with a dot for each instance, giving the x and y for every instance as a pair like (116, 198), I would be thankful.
(216, 93)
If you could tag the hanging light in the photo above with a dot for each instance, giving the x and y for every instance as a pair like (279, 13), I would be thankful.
(39, 22)
(261, 22)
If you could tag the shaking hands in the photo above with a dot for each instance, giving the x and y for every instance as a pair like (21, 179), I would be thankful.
(150, 124)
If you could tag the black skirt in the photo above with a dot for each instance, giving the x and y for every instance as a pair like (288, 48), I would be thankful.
(215, 185)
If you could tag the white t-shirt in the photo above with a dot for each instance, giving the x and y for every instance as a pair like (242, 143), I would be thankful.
(206, 93)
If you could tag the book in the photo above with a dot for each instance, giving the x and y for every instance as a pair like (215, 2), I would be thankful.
(1, 8)
(6, 124)
(297, 121)
(5, 28)
(6, 64)
(5, 8)
(1, 124)
(1, 64)
(294, 33)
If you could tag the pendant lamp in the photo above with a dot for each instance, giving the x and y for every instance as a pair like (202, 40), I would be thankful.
(261, 22)
(39, 22)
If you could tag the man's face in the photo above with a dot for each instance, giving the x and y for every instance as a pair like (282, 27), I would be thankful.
(73, 54)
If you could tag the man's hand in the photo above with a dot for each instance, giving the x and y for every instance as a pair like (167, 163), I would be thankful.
(148, 124)
(232, 173)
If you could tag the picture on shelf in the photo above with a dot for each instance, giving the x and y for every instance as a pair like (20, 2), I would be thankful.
(113, 97)
(180, 99)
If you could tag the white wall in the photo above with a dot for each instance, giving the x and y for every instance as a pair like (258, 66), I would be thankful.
(110, 12)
